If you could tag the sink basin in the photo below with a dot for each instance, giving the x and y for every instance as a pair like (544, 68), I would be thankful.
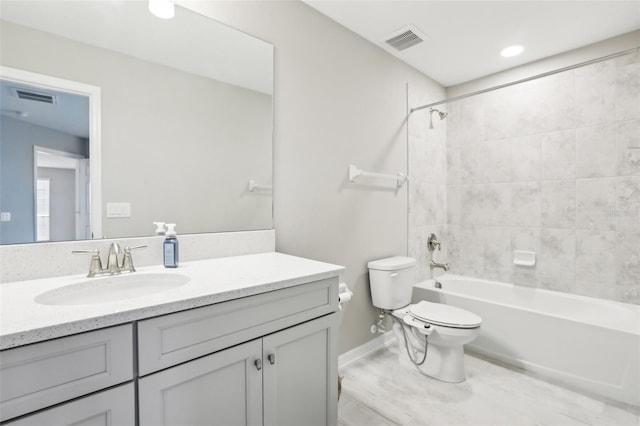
(111, 289)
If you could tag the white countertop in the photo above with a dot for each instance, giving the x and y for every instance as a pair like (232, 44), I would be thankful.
(23, 321)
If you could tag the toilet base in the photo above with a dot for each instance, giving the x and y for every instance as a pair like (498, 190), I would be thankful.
(445, 363)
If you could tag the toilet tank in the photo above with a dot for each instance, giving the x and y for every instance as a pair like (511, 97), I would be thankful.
(391, 280)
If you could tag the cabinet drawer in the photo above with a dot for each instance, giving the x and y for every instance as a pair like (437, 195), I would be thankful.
(113, 407)
(39, 375)
(179, 337)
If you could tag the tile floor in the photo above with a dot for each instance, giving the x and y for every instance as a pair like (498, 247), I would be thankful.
(385, 389)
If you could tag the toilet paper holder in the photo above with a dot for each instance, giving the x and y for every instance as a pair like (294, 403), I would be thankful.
(344, 294)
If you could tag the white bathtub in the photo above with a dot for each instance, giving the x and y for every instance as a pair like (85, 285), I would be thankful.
(587, 344)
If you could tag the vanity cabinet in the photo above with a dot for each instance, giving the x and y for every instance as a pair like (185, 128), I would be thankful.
(285, 378)
(281, 361)
(264, 359)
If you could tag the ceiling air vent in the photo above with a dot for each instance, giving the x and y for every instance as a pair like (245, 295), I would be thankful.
(30, 95)
(405, 38)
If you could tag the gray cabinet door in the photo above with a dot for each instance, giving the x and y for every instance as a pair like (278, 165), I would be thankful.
(301, 374)
(113, 407)
(224, 388)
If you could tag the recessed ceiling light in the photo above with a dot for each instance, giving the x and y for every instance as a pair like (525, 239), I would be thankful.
(510, 51)
(162, 8)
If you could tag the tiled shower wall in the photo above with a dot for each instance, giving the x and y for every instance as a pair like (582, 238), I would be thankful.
(551, 166)
(427, 182)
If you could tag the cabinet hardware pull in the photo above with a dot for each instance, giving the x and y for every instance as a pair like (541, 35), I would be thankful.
(258, 363)
(272, 358)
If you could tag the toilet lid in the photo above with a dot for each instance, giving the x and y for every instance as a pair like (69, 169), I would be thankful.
(445, 315)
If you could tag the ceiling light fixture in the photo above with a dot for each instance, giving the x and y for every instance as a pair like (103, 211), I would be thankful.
(164, 9)
(510, 51)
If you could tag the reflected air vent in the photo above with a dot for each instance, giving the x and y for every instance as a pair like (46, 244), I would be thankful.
(405, 38)
(30, 95)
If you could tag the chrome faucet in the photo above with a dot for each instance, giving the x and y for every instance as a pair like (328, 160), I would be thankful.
(114, 266)
(434, 265)
(112, 258)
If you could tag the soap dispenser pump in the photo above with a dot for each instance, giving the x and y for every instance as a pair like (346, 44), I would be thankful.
(160, 230)
(170, 247)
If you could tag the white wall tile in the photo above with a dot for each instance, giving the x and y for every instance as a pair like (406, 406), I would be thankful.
(525, 204)
(595, 257)
(495, 160)
(470, 245)
(526, 158)
(453, 204)
(595, 93)
(627, 260)
(558, 205)
(627, 210)
(497, 206)
(557, 259)
(552, 100)
(628, 147)
(628, 87)
(596, 153)
(596, 204)
(558, 155)
(472, 211)
(472, 163)
(498, 258)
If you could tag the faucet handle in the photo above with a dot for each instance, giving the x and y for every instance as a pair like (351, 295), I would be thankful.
(96, 263)
(128, 249)
(127, 259)
(433, 243)
(94, 251)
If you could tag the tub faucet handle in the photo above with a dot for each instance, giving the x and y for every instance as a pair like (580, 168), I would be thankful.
(433, 243)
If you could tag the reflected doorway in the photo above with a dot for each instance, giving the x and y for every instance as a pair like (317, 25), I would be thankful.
(49, 134)
(61, 195)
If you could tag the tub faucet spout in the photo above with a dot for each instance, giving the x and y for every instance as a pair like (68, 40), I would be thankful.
(433, 265)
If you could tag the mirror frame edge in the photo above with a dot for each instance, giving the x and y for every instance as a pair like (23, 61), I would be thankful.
(95, 137)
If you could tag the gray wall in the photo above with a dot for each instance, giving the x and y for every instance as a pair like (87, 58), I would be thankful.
(178, 147)
(338, 100)
(17, 139)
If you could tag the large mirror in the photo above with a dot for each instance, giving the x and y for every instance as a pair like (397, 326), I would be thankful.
(145, 120)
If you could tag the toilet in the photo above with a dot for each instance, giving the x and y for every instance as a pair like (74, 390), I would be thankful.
(442, 329)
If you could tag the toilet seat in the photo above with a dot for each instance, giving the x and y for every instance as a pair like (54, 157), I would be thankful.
(444, 315)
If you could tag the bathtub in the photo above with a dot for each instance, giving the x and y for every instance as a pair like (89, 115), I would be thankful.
(590, 345)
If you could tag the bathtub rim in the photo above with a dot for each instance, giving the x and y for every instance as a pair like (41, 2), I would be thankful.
(625, 328)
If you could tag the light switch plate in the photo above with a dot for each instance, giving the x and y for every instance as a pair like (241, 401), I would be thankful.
(5, 217)
(118, 210)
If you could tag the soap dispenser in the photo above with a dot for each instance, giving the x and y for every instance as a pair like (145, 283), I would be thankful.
(170, 247)
(160, 230)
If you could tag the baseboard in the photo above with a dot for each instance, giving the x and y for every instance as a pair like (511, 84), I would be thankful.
(372, 345)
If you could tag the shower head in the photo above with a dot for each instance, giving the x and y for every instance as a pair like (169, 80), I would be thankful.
(441, 114)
